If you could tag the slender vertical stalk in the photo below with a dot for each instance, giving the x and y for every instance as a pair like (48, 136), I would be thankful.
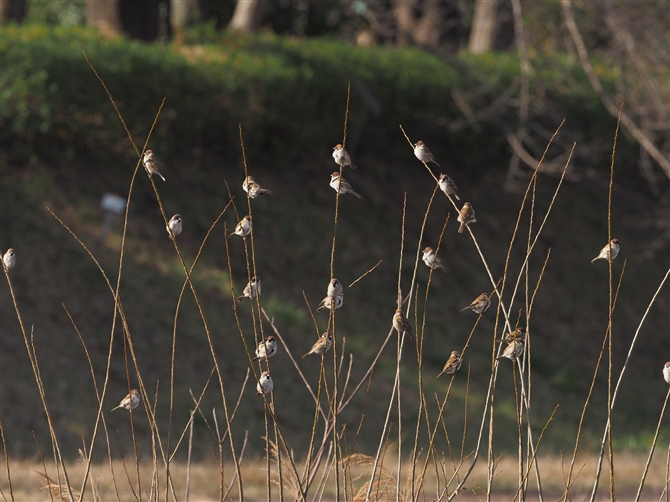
(653, 446)
(610, 402)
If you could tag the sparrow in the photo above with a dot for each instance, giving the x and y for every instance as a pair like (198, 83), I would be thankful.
(605, 252)
(321, 346)
(401, 324)
(9, 259)
(452, 365)
(423, 154)
(243, 228)
(480, 304)
(251, 289)
(341, 184)
(266, 349)
(666, 372)
(513, 350)
(466, 217)
(254, 189)
(518, 335)
(174, 226)
(433, 261)
(342, 157)
(265, 385)
(327, 303)
(448, 186)
(131, 401)
(150, 164)
(334, 288)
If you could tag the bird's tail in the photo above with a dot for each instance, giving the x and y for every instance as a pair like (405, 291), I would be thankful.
(466, 308)
(446, 270)
(460, 229)
(438, 165)
(456, 195)
(353, 166)
(354, 193)
(159, 174)
(306, 355)
(240, 298)
(263, 191)
(594, 260)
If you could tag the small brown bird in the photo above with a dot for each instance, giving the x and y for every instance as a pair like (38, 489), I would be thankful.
(466, 217)
(401, 324)
(342, 157)
(513, 350)
(174, 226)
(334, 288)
(131, 401)
(254, 189)
(150, 164)
(243, 227)
(250, 290)
(518, 334)
(452, 365)
(666, 372)
(265, 385)
(433, 261)
(605, 252)
(480, 304)
(341, 184)
(321, 346)
(448, 186)
(9, 259)
(327, 303)
(423, 154)
(267, 349)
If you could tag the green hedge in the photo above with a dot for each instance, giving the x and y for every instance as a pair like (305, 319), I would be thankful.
(284, 91)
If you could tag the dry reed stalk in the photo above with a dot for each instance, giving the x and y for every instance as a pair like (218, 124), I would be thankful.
(4, 451)
(653, 446)
(97, 395)
(621, 374)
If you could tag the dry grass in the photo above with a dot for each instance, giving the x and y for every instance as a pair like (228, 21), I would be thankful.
(28, 480)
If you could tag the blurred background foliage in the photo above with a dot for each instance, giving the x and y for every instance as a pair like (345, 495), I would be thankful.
(284, 80)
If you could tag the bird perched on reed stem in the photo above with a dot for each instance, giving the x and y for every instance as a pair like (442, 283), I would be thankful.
(480, 304)
(613, 247)
(422, 153)
(321, 346)
(131, 401)
(466, 217)
(266, 349)
(341, 157)
(401, 324)
(338, 182)
(452, 365)
(150, 164)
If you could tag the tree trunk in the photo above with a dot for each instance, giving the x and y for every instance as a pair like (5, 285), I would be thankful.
(104, 16)
(12, 10)
(247, 16)
(180, 12)
(484, 25)
(427, 23)
(180, 15)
